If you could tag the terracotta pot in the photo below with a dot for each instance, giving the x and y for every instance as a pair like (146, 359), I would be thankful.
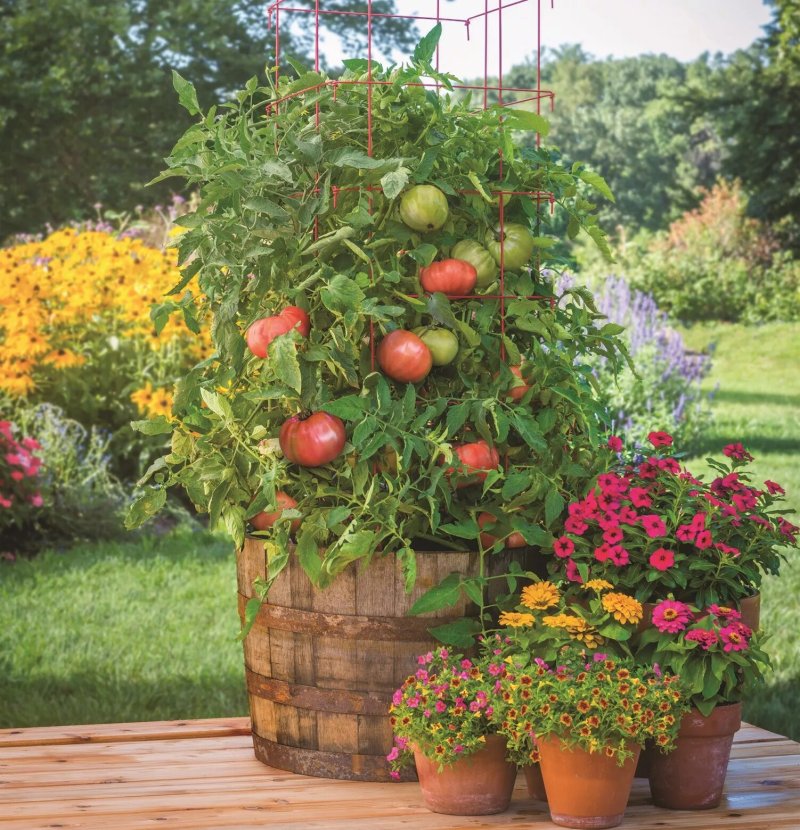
(693, 775)
(478, 785)
(585, 790)
(535, 782)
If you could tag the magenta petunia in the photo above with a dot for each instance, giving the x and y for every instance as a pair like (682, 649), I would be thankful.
(737, 451)
(575, 525)
(671, 616)
(563, 547)
(774, 488)
(703, 540)
(660, 439)
(662, 559)
(572, 572)
(619, 555)
(627, 515)
(612, 535)
(639, 497)
(685, 533)
(615, 443)
(603, 552)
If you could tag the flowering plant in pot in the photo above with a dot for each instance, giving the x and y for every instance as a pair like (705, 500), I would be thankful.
(442, 717)
(653, 528)
(718, 657)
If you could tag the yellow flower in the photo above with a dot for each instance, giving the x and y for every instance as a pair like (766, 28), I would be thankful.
(540, 595)
(516, 620)
(623, 608)
(598, 585)
(143, 398)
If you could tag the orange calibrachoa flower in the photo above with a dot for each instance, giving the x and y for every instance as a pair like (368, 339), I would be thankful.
(61, 295)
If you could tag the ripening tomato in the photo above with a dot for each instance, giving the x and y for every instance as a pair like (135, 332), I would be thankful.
(442, 343)
(513, 540)
(312, 441)
(262, 521)
(516, 243)
(424, 208)
(476, 255)
(520, 387)
(404, 357)
(264, 331)
(477, 457)
(453, 277)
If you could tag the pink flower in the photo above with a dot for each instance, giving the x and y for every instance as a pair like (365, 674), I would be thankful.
(577, 509)
(615, 443)
(14, 459)
(700, 635)
(736, 637)
(17, 475)
(653, 526)
(423, 659)
(612, 535)
(619, 556)
(603, 552)
(745, 500)
(647, 471)
(737, 451)
(660, 439)
(627, 515)
(669, 464)
(394, 774)
(684, 533)
(6, 502)
(774, 488)
(724, 612)
(703, 540)
(37, 500)
(727, 549)
(698, 522)
(563, 547)
(671, 616)
(440, 706)
(575, 525)
(393, 755)
(639, 497)
(787, 528)
(573, 575)
(662, 559)
(397, 697)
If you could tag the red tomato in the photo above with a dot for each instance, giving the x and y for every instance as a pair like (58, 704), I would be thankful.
(264, 331)
(404, 357)
(313, 441)
(514, 540)
(261, 521)
(452, 277)
(516, 392)
(475, 456)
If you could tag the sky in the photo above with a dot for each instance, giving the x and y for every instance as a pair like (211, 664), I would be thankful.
(620, 28)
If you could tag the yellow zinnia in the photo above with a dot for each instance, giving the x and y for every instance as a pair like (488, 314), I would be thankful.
(623, 608)
(514, 619)
(540, 595)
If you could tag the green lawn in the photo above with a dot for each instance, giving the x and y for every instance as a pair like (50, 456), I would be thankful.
(758, 403)
(144, 630)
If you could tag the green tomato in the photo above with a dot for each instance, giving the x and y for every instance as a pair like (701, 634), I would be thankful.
(442, 344)
(481, 260)
(517, 245)
(424, 208)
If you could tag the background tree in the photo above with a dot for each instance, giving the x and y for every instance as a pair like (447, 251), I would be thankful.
(87, 109)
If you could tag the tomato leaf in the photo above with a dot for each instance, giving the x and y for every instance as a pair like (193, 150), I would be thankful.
(553, 506)
(460, 633)
(516, 119)
(444, 594)
(348, 408)
(342, 294)
(465, 529)
(394, 182)
(187, 96)
(426, 48)
(147, 505)
(284, 363)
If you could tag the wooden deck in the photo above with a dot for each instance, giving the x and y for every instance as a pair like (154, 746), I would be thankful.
(202, 774)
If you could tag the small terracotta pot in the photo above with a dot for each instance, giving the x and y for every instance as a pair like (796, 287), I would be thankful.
(585, 790)
(692, 776)
(535, 782)
(478, 785)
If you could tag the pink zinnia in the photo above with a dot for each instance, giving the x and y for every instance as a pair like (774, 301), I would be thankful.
(563, 547)
(671, 616)
(654, 526)
(724, 612)
(660, 439)
(700, 635)
(735, 636)
(662, 559)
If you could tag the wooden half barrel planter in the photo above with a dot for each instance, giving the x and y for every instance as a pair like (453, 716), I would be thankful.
(321, 665)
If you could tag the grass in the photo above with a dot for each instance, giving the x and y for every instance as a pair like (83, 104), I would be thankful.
(758, 403)
(145, 630)
(142, 630)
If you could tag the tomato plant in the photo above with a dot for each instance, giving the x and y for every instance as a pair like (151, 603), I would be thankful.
(518, 390)
(513, 540)
(294, 211)
(404, 357)
(453, 277)
(312, 441)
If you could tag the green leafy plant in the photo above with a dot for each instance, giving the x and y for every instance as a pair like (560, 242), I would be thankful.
(302, 205)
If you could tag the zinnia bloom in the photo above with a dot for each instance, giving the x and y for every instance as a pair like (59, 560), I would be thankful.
(598, 585)
(623, 608)
(671, 616)
(700, 635)
(736, 637)
(540, 595)
(514, 619)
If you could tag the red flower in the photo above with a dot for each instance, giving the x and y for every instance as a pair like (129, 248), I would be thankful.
(615, 443)
(660, 439)
(647, 471)
(698, 522)
(737, 451)
(627, 515)
(774, 488)
(618, 555)
(575, 525)
(705, 638)
(685, 533)
(662, 559)
(744, 500)
(563, 547)
(654, 526)
(612, 535)
(572, 571)
(603, 552)
(639, 497)
(669, 464)
(788, 529)
(703, 540)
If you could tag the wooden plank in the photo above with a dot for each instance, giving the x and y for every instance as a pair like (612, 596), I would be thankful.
(107, 732)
